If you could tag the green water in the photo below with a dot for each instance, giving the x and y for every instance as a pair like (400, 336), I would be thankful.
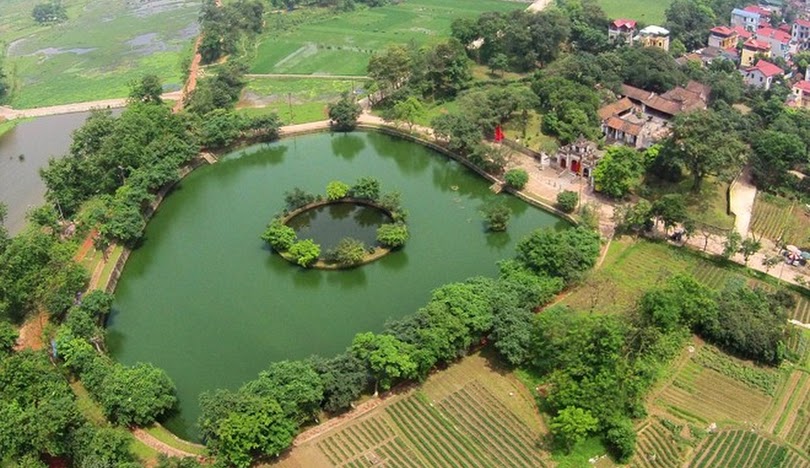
(328, 224)
(204, 299)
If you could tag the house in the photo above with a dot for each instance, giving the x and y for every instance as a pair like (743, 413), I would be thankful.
(654, 36)
(709, 54)
(750, 17)
(800, 95)
(641, 118)
(800, 33)
(751, 48)
(622, 30)
(579, 157)
(761, 75)
(780, 41)
(723, 37)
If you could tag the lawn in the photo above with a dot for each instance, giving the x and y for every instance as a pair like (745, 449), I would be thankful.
(318, 41)
(97, 52)
(295, 100)
(645, 11)
(709, 206)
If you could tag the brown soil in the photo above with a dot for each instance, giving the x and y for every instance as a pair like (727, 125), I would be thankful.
(31, 332)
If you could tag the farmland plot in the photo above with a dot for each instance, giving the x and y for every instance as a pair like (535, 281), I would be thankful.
(657, 446)
(743, 449)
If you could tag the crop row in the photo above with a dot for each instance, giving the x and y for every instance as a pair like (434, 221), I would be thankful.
(433, 437)
(769, 219)
(508, 441)
(711, 275)
(759, 379)
(741, 449)
(802, 310)
(799, 432)
(657, 447)
(362, 441)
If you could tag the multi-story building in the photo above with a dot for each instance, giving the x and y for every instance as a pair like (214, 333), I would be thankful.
(751, 49)
(654, 36)
(761, 75)
(723, 37)
(751, 17)
(622, 29)
(780, 41)
(800, 33)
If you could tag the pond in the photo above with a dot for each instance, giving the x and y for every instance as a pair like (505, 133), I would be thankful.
(206, 300)
(328, 224)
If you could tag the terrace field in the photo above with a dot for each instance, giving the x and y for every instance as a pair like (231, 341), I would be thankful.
(320, 41)
(98, 51)
(780, 219)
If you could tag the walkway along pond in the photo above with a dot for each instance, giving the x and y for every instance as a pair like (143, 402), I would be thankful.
(203, 299)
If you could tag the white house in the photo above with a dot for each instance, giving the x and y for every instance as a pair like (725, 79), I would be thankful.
(761, 75)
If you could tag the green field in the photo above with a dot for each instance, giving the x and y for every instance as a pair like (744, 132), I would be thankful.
(746, 449)
(295, 100)
(97, 52)
(780, 219)
(645, 11)
(325, 42)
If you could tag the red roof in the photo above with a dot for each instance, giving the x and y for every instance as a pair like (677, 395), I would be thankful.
(785, 27)
(757, 9)
(804, 85)
(776, 34)
(766, 68)
(722, 31)
(803, 22)
(742, 32)
(621, 22)
(755, 44)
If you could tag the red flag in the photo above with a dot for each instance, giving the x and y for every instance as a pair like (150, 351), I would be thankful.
(498, 134)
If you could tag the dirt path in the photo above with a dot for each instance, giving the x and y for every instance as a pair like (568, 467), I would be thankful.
(193, 71)
(31, 333)
(741, 200)
(9, 114)
(158, 445)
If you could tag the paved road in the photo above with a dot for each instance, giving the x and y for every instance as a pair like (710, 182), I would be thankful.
(742, 199)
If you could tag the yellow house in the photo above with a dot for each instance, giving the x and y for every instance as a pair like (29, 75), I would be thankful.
(751, 48)
(654, 36)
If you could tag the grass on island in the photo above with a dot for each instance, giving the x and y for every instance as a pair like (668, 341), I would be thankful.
(164, 435)
(97, 52)
(295, 100)
(781, 219)
(322, 41)
(644, 11)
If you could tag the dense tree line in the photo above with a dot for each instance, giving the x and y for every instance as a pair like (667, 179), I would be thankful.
(225, 29)
(262, 417)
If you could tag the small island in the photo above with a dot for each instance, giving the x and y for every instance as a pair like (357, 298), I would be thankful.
(350, 226)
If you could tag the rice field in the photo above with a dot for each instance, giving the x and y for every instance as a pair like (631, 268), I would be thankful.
(320, 41)
(97, 52)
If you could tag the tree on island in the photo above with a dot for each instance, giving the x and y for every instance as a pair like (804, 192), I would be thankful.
(343, 114)
(347, 252)
(336, 190)
(392, 235)
(305, 252)
(280, 236)
(496, 214)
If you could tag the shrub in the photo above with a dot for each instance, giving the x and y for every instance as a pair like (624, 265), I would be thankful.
(296, 198)
(516, 178)
(305, 252)
(567, 201)
(392, 235)
(348, 251)
(336, 190)
(279, 235)
(366, 187)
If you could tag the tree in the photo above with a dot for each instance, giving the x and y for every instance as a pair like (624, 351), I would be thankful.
(280, 236)
(366, 187)
(347, 252)
(634, 217)
(8, 338)
(516, 178)
(392, 235)
(572, 425)
(344, 113)
(774, 154)
(496, 214)
(136, 395)
(387, 357)
(410, 110)
(669, 209)
(732, 244)
(297, 198)
(748, 247)
(101, 446)
(687, 20)
(344, 378)
(706, 145)
(50, 12)
(335, 190)
(619, 171)
(649, 68)
(391, 68)
(294, 385)
(566, 254)
(461, 132)
(148, 89)
(567, 201)
(305, 252)
(621, 439)
(498, 63)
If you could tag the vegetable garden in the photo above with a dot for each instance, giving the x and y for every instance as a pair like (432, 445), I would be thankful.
(741, 448)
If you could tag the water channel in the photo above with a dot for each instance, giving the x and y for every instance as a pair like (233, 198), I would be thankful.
(205, 300)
